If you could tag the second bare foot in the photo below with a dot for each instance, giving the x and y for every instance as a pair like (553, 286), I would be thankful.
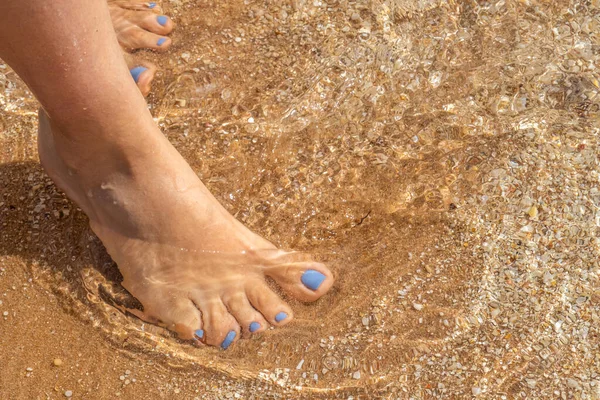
(140, 25)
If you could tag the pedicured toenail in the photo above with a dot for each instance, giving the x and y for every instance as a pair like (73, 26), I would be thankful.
(162, 20)
(228, 340)
(254, 326)
(136, 72)
(199, 333)
(312, 279)
(280, 317)
(161, 41)
(151, 5)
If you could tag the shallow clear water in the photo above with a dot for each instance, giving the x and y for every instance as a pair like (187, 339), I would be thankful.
(441, 157)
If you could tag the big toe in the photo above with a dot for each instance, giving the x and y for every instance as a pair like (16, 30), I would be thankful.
(142, 73)
(304, 280)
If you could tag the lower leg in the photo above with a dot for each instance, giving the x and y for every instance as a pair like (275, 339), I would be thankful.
(194, 267)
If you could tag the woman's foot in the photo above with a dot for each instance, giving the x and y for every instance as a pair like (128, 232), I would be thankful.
(140, 25)
(195, 268)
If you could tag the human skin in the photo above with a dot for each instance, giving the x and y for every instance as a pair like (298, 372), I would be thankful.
(195, 269)
(140, 25)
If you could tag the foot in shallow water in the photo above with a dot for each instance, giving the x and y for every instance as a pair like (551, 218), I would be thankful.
(140, 25)
(195, 269)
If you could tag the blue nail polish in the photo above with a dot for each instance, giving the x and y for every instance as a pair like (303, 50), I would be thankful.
(136, 72)
(228, 340)
(161, 41)
(254, 326)
(312, 279)
(199, 333)
(280, 317)
(151, 5)
(162, 20)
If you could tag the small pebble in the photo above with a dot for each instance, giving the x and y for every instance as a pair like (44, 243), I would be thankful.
(5, 313)
(356, 375)
(57, 362)
(68, 393)
(533, 212)
(418, 307)
(29, 369)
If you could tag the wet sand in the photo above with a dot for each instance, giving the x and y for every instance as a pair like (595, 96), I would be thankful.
(442, 157)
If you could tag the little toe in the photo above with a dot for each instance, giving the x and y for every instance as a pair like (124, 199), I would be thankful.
(179, 315)
(247, 316)
(269, 304)
(219, 326)
(137, 38)
(306, 281)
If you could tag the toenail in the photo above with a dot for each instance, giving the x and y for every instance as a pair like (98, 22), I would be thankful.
(136, 72)
(228, 340)
(162, 20)
(280, 317)
(254, 326)
(199, 333)
(312, 279)
(151, 5)
(161, 41)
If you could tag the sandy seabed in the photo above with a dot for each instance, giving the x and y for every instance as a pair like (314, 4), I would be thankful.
(441, 156)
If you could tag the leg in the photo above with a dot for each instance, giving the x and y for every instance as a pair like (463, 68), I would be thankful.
(195, 268)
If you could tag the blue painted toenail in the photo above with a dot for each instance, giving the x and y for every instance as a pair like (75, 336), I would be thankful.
(254, 326)
(136, 72)
(228, 340)
(151, 5)
(199, 333)
(280, 317)
(162, 20)
(161, 41)
(312, 279)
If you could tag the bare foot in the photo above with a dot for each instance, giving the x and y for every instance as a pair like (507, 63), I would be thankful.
(140, 25)
(195, 268)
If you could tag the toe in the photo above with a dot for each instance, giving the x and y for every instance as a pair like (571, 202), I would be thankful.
(159, 24)
(247, 316)
(178, 314)
(269, 304)
(137, 5)
(306, 281)
(219, 326)
(135, 38)
(142, 73)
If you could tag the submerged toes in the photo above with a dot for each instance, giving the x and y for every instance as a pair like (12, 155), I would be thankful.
(312, 279)
(306, 281)
(269, 304)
